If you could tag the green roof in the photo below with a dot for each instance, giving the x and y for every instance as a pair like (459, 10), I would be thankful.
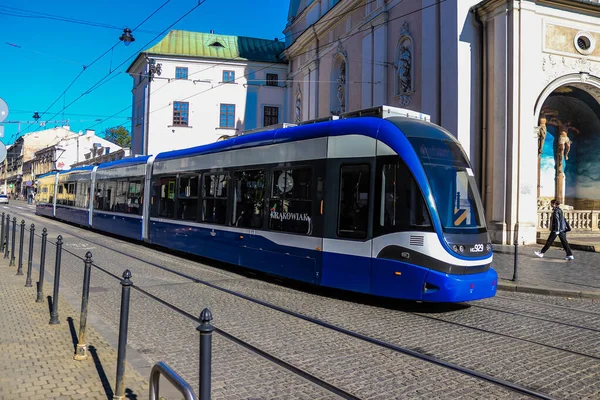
(209, 45)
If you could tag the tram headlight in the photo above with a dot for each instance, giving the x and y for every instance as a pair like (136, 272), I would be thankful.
(455, 248)
(488, 247)
(461, 248)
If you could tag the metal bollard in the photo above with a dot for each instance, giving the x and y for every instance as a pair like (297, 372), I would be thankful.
(81, 353)
(20, 267)
(54, 313)
(125, 294)
(40, 284)
(206, 330)
(515, 274)
(30, 255)
(6, 233)
(12, 251)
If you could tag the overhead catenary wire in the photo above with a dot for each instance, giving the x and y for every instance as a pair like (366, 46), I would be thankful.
(338, 40)
(299, 33)
(96, 85)
(85, 67)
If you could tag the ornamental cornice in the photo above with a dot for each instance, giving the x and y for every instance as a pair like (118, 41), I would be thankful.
(326, 22)
(556, 66)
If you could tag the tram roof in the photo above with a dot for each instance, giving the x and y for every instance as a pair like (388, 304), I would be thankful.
(367, 126)
(125, 162)
(78, 169)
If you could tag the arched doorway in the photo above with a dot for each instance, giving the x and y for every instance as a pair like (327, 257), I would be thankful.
(568, 115)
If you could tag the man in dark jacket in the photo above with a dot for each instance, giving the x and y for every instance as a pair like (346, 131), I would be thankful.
(558, 227)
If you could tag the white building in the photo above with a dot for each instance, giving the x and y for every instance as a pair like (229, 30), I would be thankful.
(498, 74)
(204, 86)
(72, 149)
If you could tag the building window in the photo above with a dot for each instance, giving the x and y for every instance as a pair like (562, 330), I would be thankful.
(271, 116)
(181, 73)
(180, 113)
(228, 76)
(272, 80)
(227, 116)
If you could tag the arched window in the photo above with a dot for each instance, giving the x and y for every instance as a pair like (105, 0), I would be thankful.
(339, 83)
(404, 69)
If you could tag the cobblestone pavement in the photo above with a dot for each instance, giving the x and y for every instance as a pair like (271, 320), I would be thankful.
(36, 359)
(366, 370)
(553, 272)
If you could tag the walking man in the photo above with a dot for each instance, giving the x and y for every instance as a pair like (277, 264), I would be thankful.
(558, 227)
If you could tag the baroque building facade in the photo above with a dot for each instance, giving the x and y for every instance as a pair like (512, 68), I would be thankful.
(517, 82)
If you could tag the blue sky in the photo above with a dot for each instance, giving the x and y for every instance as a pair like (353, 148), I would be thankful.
(52, 52)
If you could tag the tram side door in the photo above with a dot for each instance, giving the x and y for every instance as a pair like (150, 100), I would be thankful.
(347, 229)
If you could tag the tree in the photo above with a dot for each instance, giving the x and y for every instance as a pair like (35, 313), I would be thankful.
(119, 136)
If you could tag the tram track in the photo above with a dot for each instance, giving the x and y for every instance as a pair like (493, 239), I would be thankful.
(381, 343)
(546, 305)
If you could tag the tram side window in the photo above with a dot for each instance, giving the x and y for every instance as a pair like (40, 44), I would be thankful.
(51, 193)
(355, 185)
(187, 198)
(110, 195)
(162, 202)
(120, 198)
(214, 203)
(60, 194)
(134, 197)
(291, 202)
(70, 198)
(99, 196)
(402, 204)
(248, 204)
(82, 195)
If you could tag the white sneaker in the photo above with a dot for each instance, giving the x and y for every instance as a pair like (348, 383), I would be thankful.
(540, 255)
(569, 258)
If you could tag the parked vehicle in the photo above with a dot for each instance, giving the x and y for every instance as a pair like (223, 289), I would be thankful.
(3, 199)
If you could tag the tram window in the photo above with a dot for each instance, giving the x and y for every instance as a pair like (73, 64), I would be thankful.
(291, 202)
(71, 187)
(120, 198)
(110, 195)
(51, 193)
(249, 197)
(134, 197)
(355, 185)
(162, 203)
(187, 199)
(99, 196)
(214, 204)
(82, 195)
(60, 194)
(402, 205)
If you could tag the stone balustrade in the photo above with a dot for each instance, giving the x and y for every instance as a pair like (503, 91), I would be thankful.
(581, 221)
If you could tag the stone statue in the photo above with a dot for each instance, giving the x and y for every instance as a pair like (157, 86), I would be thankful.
(404, 65)
(341, 88)
(542, 131)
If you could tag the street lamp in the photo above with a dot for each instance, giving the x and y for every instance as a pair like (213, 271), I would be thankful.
(127, 37)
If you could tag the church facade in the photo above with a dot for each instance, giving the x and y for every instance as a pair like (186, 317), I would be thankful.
(517, 82)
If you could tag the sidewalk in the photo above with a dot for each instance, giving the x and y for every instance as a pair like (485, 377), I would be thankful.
(36, 358)
(551, 275)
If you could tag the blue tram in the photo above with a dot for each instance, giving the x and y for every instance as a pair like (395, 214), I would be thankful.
(379, 201)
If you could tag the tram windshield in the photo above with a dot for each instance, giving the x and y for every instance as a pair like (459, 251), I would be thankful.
(452, 183)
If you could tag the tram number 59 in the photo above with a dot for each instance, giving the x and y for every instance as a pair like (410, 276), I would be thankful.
(477, 248)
